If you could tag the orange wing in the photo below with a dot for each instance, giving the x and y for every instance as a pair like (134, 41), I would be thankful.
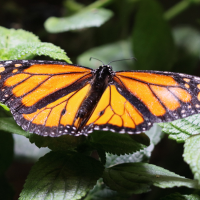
(39, 94)
(137, 99)
(45, 97)
(115, 113)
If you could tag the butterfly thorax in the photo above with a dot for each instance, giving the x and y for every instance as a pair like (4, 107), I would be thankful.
(101, 79)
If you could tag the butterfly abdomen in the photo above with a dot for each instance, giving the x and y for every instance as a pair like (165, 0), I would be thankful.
(98, 86)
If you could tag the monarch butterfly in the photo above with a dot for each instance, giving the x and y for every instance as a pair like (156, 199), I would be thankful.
(53, 98)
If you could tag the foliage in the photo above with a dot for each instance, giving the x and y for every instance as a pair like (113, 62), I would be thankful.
(83, 19)
(20, 44)
(104, 165)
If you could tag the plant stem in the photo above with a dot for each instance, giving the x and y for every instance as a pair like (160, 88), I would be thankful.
(178, 8)
(99, 3)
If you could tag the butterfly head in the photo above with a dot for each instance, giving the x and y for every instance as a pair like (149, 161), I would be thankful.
(103, 71)
(106, 68)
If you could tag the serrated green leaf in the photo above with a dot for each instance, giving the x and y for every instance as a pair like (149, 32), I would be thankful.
(142, 138)
(182, 129)
(20, 44)
(107, 53)
(152, 39)
(63, 143)
(138, 177)
(59, 175)
(178, 196)
(6, 150)
(192, 197)
(115, 143)
(28, 51)
(89, 18)
(8, 124)
(155, 134)
(192, 153)
(10, 38)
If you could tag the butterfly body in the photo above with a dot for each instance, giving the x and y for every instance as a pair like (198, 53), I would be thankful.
(53, 98)
(101, 78)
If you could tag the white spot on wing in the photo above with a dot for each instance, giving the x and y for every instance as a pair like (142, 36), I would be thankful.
(197, 78)
(8, 62)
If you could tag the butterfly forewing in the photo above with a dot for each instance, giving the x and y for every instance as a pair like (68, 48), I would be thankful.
(44, 97)
(167, 96)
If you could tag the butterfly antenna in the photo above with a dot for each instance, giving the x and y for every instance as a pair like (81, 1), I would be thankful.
(96, 59)
(123, 59)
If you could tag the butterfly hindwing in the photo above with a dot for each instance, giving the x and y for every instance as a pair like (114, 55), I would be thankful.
(58, 117)
(115, 113)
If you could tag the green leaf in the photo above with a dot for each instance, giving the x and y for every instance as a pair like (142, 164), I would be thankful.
(138, 177)
(4, 107)
(182, 129)
(152, 39)
(85, 19)
(192, 197)
(155, 134)
(20, 44)
(192, 153)
(115, 143)
(59, 175)
(28, 51)
(102, 192)
(4, 111)
(6, 150)
(8, 124)
(107, 53)
(10, 38)
(64, 142)
(178, 196)
(142, 138)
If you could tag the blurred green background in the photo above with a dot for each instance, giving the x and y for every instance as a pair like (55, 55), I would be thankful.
(162, 35)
